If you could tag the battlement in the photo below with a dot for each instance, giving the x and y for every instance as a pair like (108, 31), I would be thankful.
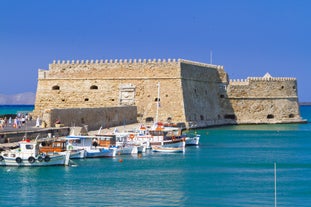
(265, 78)
(106, 61)
(133, 61)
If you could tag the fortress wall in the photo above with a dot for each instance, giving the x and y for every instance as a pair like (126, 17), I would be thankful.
(266, 110)
(94, 118)
(261, 100)
(131, 69)
(203, 88)
(196, 94)
(260, 87)
(74, 82)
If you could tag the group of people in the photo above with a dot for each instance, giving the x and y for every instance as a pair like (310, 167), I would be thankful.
(18, 122)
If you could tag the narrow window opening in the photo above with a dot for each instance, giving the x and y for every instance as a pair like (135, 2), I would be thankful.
(94, 87)
(149, 119)
(270, 116)
(55, 88)
(201, 117)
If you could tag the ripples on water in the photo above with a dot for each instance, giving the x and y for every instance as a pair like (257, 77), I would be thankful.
(234, 166)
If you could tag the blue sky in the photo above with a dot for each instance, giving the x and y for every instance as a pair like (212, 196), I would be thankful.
(249, 38)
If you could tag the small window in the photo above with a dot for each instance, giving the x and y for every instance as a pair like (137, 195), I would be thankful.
(270, 116)
(93, 87)
(149, 119)
(201, 117)
(55, 88)
(29, 147)
(157, 99)
(222, 96)
(86, 99)
(294, 87)
(291, 116)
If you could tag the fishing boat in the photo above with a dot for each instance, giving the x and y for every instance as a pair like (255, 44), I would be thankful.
(167, 149)
(28, 155)
(192, 140)
(160, 136)
(61, 146)
(94, 146)
(125, 147)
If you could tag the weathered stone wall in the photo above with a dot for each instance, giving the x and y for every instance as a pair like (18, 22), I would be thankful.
(193, 93)
(98, 84)
(264, 100)
(203, 87)
(93, 118)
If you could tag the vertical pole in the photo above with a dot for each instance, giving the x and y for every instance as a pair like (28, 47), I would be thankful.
(158, 102)
(275, 203)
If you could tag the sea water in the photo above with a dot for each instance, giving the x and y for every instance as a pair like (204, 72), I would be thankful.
(14, 109)
(233, 166)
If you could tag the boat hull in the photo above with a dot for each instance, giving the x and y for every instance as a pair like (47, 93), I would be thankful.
(100, 152)
(192, 140)
(168, 149)
(37, 162)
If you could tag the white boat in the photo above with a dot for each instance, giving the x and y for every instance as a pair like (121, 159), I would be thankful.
(167, 149)
(193, 140)
(159, 135)
(61, 146)
(28, 154)
(125, 147)
(94, 146)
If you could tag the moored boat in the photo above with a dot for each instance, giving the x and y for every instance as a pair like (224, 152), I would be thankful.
(28, 154)
(60, 146)
(167, 149)
(124, 146)
(94, 146)
(192, 140)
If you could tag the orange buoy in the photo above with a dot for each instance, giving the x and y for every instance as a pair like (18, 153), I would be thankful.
(120, 160)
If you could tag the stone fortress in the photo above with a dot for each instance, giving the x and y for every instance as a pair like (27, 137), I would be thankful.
(115, 92)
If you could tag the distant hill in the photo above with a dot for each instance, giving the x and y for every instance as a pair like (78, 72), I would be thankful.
(27, 98)
(305, 103)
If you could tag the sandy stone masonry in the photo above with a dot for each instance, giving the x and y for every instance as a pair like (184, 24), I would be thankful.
(191, 93)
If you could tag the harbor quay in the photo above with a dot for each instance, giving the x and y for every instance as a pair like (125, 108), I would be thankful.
(10, 136)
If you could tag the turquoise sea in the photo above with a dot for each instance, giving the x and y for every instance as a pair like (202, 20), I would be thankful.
(14, 109)
(233, 166)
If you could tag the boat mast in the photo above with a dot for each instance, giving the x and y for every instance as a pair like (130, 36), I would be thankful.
(158, 102)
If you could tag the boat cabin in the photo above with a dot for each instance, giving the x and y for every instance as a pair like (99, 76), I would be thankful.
(106, 140)
(53, 146)
(25, 150)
